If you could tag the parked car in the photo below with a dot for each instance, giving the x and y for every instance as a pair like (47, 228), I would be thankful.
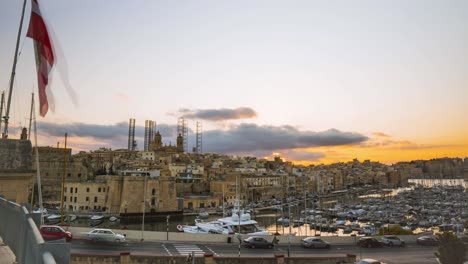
(369, 242)
(52, 232)
(314, 242)
(99, 234)
(257, 242)
(369, 261)
(427, 241)
(393, 241)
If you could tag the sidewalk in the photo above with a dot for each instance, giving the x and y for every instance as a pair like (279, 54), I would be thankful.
(6, 255)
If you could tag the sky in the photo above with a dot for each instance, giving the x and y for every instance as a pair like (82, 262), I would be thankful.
(315, 81)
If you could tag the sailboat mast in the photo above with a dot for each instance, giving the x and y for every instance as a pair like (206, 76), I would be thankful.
(13, 71)
(30, 116)
(2, 103)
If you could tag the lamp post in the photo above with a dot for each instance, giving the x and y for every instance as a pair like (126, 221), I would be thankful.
(144, 209)
(167, 227)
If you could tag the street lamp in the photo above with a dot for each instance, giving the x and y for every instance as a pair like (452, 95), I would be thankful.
(144, 209)
(167, 227)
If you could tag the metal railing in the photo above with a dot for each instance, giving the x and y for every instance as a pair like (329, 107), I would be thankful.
(19, 231)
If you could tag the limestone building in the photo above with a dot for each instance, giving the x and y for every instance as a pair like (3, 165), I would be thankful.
(124, 193)
(16, 169)
(157, 146)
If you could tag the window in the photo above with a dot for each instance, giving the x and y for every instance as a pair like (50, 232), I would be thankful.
(153, 201)
(75, 199)
(71, 198)
(65, 198)
(95, 199)
(87, 189)
(153, 192)
(87, 198)
(69, 174)
(79, 175)
(99, 189)
(76, 190)
(65, 189)
(71, 190)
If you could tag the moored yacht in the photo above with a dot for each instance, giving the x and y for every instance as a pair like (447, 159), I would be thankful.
(226, 225)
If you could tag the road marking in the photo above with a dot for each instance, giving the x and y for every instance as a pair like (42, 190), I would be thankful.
(214, 253)
(167, 250)
(187, 249)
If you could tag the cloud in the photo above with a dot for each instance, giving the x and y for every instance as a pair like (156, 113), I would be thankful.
(243, 139)
(114, 136)
(380, 134)
(219, 114)
(251, 137)
(302, 155)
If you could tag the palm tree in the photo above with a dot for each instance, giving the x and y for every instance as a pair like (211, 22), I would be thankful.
(451, 249)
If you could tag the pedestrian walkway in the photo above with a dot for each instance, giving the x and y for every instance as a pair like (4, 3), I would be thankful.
(187, 249)
(6, 255)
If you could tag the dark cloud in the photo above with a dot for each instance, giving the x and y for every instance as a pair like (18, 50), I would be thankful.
(101, 132)
(219, 114)
(243, 139)
(252, 137)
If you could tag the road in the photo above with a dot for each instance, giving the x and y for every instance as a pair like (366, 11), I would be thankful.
(412, 253)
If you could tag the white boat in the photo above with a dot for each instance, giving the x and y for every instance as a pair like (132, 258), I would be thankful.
(203, 214)
(283, 220)
(96, 217)
(113, 219)
(227, 225)
(71, 217)
(38, 211)
(54, 218)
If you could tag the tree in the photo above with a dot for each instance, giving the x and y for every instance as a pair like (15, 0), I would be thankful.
(451, 249)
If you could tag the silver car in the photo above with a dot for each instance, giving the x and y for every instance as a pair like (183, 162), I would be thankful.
(393, 241)
(99, 234)
(314, 242)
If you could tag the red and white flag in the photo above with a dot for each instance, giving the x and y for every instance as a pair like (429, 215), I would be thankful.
(44, 53)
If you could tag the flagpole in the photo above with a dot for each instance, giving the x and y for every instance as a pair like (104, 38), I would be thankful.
(38, 168)
(12, 78)
(30, 116)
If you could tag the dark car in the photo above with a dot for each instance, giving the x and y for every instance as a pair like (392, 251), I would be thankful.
(257, 242)
(52, 232)
(369, 242)
(314, 242)
(427, 241)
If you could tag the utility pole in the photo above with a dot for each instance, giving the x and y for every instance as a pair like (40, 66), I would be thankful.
(2, 103)
(63, 178)
(144, 209)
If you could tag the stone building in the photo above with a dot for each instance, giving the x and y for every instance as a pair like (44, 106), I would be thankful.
(123, 193)
(16, 169)
(157, 146)
(52, 165)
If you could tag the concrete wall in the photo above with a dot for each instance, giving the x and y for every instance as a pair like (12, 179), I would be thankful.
(135, 235)
(126, 258)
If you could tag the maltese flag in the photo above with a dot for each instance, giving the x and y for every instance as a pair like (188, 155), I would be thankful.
(44, 53)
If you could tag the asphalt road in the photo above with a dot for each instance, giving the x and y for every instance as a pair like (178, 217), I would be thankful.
(412, 253)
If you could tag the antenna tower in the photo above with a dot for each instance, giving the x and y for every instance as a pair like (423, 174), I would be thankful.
(131, 134)
(199, 138)
(182, 129)
(150, 126)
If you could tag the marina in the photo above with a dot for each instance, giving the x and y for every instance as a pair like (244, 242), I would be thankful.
(416, 208)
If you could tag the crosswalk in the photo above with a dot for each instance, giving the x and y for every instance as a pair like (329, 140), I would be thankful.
(187, 249)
